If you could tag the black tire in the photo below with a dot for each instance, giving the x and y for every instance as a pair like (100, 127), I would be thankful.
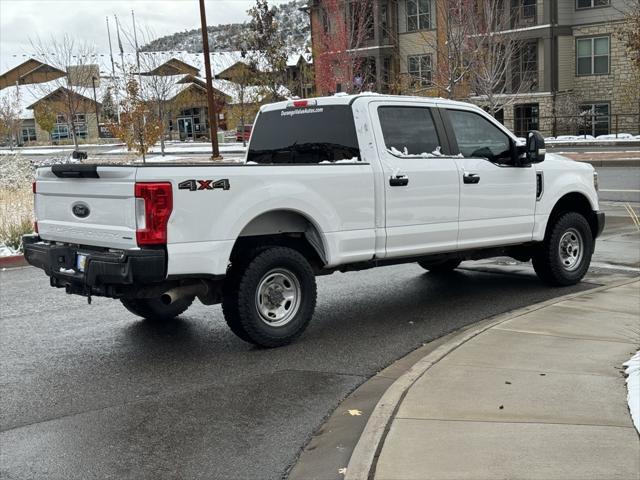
(553, 263)
(240, 299)
(445, 266)
(153, 309)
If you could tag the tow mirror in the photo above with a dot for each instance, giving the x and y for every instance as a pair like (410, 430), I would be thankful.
(536, 149)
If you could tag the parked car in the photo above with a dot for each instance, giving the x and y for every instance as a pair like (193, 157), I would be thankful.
(243, 133)
(340, 183)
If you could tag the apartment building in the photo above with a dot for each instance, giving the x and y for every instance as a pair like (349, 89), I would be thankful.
(572, 74)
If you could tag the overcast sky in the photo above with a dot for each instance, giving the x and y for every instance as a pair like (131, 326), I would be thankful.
(21, 20)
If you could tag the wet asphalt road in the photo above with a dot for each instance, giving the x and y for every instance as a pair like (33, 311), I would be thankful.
(93, 392)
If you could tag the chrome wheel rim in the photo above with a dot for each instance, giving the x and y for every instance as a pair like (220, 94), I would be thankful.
(571, 249)
(278, 297)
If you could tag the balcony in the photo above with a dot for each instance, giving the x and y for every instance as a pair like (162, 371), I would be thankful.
(524, 13)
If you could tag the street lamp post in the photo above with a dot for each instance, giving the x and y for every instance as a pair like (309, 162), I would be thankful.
(213, 119)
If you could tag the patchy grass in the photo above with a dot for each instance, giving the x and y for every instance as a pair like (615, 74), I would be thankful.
(16, 216)
(16, 200)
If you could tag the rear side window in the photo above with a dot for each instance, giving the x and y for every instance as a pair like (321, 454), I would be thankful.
(478, 137)
(409, 131)
(305, 135)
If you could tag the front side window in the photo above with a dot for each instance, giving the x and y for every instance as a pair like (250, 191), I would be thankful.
(478, 137)
(592, 3)
(592, 56)
(418, 15)
(409, 131)
(313, 134)
(420, 70)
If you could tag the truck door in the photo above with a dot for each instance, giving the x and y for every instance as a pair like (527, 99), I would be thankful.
(497, 200)
(421, 184)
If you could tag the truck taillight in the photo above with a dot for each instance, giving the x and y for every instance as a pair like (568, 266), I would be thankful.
(154, 203)
(35, 222)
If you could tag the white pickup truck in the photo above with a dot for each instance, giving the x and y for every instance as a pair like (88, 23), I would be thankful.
(329, 184)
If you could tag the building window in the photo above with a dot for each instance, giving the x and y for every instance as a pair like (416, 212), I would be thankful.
(29, 134)
(592, 55)
(80, 124)
(592, 3)
(60, 132)
(418, 15)
(420, 70)
(60, 119)
(595, 119)
(526, 118)
(524, 72)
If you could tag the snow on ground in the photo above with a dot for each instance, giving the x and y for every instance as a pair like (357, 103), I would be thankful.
(188, 147)
(34, 151)
(621, 138)
(633, 388)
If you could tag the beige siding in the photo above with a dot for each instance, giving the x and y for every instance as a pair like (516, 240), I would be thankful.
(566, 63)
(419, 43)
(569, 15)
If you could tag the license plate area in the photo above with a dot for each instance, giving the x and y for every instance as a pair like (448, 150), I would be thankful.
(81, 262)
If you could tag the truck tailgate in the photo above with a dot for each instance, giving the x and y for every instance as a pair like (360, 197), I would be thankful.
(95, 206)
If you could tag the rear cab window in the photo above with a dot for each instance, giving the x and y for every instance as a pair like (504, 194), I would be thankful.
(409, 131)
(311, 135)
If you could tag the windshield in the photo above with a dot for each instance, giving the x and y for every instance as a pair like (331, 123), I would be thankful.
(305, 135)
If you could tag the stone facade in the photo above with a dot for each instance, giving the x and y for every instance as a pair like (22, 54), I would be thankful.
(619, 88)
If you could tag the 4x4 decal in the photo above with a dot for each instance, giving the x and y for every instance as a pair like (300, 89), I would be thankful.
(193, 185)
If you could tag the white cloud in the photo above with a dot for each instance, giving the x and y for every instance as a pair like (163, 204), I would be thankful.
(23, 20)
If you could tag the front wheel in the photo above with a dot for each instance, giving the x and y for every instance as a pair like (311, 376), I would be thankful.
(564, 256)
(154, 309)
(269, 300)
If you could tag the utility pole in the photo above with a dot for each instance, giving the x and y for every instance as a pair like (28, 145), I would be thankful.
(213, 118)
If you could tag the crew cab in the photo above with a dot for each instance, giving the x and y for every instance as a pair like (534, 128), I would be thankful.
(329, 184)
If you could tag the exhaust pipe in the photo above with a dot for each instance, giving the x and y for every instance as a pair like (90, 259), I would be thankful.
(196, 289)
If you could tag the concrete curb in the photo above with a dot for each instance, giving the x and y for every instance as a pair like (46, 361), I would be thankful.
(371, 441)
(633, 162)
(13, 261)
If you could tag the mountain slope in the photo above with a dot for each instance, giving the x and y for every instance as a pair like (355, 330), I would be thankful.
(294, 25)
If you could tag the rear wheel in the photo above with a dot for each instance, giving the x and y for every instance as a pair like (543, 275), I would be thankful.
(269, 300)
(444, 266)
(154, 309)
(565, 254)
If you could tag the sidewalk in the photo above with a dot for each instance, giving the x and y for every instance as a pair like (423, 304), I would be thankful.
(538, 396)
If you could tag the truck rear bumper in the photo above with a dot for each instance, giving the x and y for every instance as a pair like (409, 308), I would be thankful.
(103, 272)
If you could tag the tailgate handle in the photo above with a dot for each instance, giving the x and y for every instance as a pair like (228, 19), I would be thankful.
(75, 171)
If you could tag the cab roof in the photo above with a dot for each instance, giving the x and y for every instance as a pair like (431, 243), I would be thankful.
(346, 99)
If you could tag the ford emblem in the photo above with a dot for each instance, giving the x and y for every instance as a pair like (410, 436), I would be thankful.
(80, 210)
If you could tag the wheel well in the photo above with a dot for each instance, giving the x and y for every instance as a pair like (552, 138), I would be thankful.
(574, 202)
(283, 228)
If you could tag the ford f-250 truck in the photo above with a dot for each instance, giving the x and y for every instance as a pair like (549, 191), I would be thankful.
(330, 184)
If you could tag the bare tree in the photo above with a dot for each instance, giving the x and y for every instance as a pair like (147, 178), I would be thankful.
(139, 128)
(10, 111)
(266, 48)
(345, 28)
(496, 54)
(246, 96)
(71, 94)
(448, 48)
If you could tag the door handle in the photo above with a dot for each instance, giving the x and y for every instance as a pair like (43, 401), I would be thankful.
(399, 181)
(470, 178)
